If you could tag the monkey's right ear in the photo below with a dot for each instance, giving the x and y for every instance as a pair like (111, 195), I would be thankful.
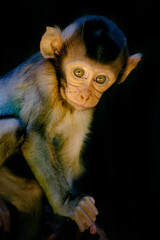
(51, 43)
(131, 64)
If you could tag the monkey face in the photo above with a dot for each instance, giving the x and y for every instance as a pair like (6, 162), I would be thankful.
(85, 82)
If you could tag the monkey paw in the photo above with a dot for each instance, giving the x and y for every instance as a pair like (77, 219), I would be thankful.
(85, 214)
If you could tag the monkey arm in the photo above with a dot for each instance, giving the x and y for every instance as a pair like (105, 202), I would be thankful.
(39, 154)
(48, 171)
(11, 136)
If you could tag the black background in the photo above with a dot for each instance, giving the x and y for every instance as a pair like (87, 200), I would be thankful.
(124, 150)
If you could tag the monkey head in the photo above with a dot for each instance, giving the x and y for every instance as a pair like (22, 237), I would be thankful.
(86, 82)
(92, 53)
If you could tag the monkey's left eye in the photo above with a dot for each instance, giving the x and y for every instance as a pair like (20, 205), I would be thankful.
(101, 79)
(78, 72)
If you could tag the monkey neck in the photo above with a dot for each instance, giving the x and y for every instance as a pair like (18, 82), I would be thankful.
(68, 131)
(63, 118)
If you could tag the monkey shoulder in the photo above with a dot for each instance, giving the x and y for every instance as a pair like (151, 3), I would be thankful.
(15, 85)
(25, 92)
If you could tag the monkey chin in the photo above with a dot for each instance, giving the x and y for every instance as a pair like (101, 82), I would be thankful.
(77, 106)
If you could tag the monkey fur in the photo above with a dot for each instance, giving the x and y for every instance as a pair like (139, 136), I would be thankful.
(46, 108)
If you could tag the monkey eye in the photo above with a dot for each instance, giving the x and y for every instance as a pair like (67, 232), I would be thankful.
(101, 79)
(78, 72)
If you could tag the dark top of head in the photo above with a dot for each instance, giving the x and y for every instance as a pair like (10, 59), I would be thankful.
(104, 41)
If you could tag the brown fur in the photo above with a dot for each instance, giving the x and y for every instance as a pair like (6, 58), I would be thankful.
(56, 109)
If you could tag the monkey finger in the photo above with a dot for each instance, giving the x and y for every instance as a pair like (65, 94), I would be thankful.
(88, 210)
(92, 199)
(93, 229)
(91, 205)
(91, 202)
(84, 217)
(79, 223)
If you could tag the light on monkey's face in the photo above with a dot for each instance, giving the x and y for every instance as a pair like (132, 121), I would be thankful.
(80, 92)
(78, 72)
(85, 82)
(101, 79)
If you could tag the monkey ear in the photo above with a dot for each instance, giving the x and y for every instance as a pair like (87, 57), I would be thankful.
(131, 64)
(51, 43)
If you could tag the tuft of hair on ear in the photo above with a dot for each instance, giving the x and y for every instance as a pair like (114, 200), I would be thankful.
(131, 63)
(51, 43)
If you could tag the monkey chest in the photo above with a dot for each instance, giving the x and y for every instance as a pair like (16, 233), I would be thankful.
(68, 143)
(69, 134)
(68, 140)
(68, 148)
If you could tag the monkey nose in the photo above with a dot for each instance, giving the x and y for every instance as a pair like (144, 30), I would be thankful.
(86, 94)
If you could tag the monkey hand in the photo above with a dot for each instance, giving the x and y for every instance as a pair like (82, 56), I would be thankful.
(4, 217)
(85, 214)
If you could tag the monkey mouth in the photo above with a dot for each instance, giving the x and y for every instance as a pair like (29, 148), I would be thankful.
(72, 103)
(78, 106)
